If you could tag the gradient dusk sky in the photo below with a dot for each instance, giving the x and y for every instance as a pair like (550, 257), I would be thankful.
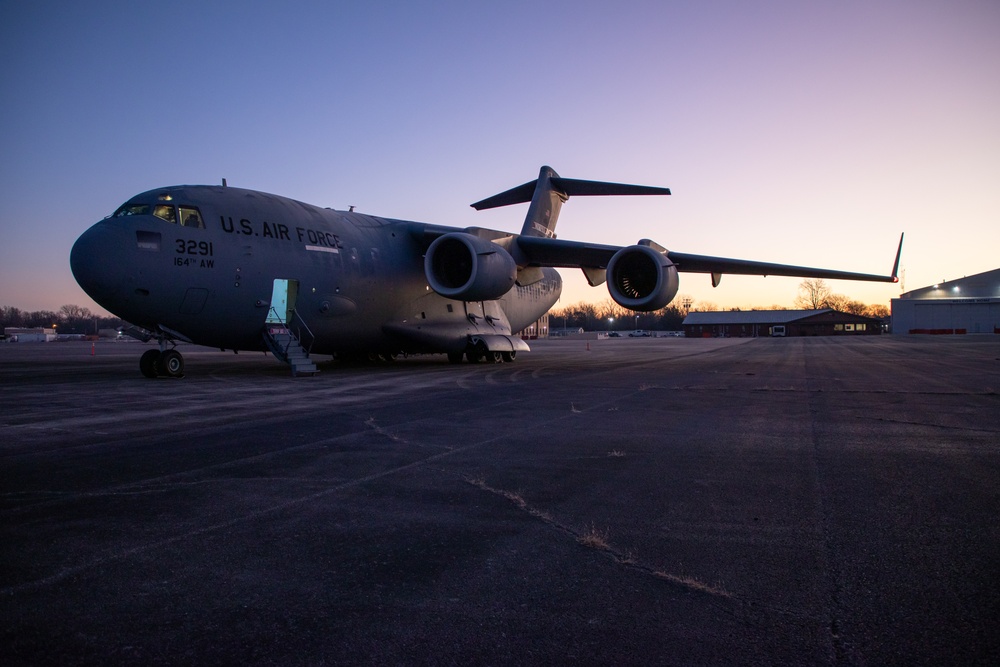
(799, 132)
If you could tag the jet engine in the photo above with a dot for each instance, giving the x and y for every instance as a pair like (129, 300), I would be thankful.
(466, 267)
(641, 278)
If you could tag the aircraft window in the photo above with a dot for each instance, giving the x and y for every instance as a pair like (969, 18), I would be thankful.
(190, 217)
(165, 213)
(131, 209)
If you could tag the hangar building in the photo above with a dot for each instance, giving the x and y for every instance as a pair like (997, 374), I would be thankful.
(968, 305)
(753, 323)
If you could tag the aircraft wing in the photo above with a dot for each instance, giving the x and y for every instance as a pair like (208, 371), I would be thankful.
(558, 253)
(542, 251)
(719, 265)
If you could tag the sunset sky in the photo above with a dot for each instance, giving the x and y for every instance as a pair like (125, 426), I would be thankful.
(807, 133)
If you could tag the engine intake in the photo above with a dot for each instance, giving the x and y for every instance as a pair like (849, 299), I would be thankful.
(466, 267)
(641, 278)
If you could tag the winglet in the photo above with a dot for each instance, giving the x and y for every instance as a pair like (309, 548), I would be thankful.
(895, 265)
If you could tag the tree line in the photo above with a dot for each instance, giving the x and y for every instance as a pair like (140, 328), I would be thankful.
(609, 316)
(70, 319)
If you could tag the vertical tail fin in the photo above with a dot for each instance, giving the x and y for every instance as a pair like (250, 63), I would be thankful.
(546, 201)
(547, 194)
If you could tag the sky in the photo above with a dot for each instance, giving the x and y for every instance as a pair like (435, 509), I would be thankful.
(809, 133)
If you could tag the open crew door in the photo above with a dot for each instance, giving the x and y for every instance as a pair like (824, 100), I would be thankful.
(281, 336)
(283, 296)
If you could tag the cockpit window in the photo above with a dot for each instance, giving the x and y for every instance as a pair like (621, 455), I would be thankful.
(187, 216)
(165, 212)
(190, 217)
(132, 209)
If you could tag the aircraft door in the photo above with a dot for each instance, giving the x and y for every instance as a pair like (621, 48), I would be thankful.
(283, 296)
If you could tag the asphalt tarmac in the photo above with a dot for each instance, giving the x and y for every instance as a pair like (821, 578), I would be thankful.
(821, 501)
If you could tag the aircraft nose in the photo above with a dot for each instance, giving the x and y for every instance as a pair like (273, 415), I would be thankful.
(91, 259)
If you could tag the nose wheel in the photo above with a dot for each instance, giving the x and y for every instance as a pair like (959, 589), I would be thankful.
(168, 363)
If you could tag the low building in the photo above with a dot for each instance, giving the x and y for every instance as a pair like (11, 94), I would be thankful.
(753, 323)
(965, 306)
(537, 329)
(29, 335)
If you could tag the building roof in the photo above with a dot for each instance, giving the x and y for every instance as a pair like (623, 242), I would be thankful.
(979, 286)
(750, 316)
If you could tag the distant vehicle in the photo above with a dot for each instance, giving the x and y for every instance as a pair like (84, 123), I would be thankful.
(244, 270)
(614, 334)
(778, 330)
(638, 333)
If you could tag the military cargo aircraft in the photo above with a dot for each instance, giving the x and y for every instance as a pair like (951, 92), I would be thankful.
(245, 270)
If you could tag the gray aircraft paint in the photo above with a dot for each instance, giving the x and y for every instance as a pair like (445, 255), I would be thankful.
(361, 283)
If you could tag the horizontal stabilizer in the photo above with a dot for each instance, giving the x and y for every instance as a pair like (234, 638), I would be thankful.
(549, 192)
(570, 187)
(576, 188)
(518, 195)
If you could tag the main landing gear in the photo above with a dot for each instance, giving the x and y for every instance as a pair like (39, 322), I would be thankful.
(478, 353)
(161, 363)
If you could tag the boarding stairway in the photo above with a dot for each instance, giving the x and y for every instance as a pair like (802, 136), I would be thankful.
(284, 340)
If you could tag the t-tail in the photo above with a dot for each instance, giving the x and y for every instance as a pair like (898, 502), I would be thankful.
(547, 194)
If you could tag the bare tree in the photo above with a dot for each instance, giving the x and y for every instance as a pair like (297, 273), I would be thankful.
(837, 302)
(854, 307)
(876, 310)
(813, 294)
(73, 312)
(11, 317)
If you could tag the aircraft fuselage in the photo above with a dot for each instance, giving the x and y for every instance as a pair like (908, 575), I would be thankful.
(200, 263)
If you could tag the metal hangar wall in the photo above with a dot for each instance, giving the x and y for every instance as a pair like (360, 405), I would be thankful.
(969, 305)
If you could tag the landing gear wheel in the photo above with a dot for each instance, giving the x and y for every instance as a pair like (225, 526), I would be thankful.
(455, 357)
(509, 356)
(495, 357)
(148, 363)
(171, 364)
(476, 354)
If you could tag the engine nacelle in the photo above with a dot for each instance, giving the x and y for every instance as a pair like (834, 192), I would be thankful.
(465, 267)
(641, 278)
